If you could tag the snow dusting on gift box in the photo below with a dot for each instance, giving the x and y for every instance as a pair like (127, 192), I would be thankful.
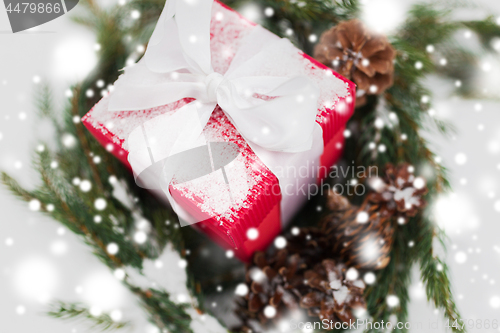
(250, 201)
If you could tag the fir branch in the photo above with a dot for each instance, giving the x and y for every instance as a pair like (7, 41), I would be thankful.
(394, 280)
(73, 311)
(15, 188)
(72, 205)
(43, 101)
(76, 210)
(83, 140)
(426, 25)
(487, 30)
(435, 273)
(163, 312)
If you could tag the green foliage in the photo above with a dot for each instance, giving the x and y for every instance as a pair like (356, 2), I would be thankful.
(62, 200)
(303, 18)
(71, 311)
(76, 210)
(155, 301)
(405, 109)
(487, 30)
(431, 24)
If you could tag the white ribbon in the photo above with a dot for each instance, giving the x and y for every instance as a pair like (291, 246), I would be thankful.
(272, 113)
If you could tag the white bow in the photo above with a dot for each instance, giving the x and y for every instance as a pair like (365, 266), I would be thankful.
(276, 113)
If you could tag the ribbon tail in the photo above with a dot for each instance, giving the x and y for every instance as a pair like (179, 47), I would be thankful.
(156, 159)
(193, 164)
(199, 115)
(195, 117)
(149, 147)
(167, 176)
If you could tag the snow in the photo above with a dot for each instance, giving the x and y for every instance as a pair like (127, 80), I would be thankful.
(407, 196)
(341, 295)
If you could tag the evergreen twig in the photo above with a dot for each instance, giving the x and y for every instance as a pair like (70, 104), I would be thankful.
(73, 311)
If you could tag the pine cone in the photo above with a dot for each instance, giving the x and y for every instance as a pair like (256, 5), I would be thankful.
(312, 271)
(284, 283)
(332, 296)
(273, 290)
(400, 191)
(358, 55)
(361, 236)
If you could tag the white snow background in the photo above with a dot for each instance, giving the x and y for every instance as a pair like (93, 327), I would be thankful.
(40, 260)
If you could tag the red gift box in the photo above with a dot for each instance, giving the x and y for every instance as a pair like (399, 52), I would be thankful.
(259, 205)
